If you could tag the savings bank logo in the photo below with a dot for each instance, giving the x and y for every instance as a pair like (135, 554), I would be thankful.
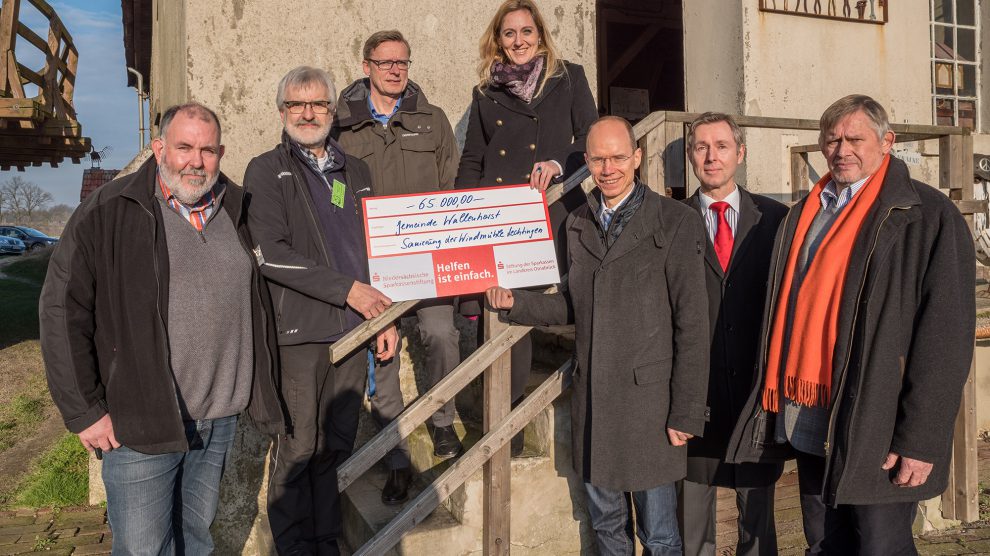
(501, 266)
(376, 278)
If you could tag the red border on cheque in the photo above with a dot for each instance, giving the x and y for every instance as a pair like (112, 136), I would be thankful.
(459, 241)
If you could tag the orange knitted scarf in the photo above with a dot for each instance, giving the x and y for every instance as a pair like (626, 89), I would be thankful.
(808, 366)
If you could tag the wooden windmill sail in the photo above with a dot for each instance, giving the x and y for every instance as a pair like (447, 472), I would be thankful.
(43, 128)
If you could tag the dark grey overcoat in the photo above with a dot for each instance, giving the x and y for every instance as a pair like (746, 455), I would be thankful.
(641, 339)
(907, 319)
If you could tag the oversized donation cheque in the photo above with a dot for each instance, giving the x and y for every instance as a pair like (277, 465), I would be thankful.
(459, 242)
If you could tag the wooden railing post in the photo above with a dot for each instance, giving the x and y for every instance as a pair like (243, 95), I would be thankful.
(497, 471)
(961, 499)
(651, 170)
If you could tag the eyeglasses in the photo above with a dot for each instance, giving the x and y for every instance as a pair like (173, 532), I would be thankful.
(599, 161)
(318, 106)
(386, 65)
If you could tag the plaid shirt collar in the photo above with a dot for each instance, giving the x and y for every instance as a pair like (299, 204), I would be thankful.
(318, 164)
(199, 213)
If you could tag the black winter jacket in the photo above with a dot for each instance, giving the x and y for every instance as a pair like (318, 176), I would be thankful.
(906, 327)
(506, 136)
(103, 311)
(735, 311)
(309, 294)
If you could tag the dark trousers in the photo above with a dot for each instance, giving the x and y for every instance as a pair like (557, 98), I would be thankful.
(757, 533)
(862, 529)
(323, 401)
(441, 341)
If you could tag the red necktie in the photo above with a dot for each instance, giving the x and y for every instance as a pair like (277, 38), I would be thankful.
(723, 234)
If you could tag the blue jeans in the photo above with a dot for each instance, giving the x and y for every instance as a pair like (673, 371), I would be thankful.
(656, 520)
(165, 503)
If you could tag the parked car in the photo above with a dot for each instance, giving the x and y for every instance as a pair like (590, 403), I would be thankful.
(11, 245)
(33, 239)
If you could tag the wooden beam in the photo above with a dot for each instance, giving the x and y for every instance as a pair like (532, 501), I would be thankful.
(467, 465)
(15, 87)
(651, 170)
(556, 191)
(971, 206)
(799, 171)
(497, 474)
(43, 7)
(812, 125)
(9, 12)
(950, 165)
(426, 405)
(361, 335)
(15, 141)
(30, 76)
(30, 36)
(653, 120)
(21, 108)
(805, 149)
(961, 498)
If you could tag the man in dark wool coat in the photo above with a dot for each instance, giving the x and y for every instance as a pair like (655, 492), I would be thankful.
(741, 227)
(867, 341)
(635, 261)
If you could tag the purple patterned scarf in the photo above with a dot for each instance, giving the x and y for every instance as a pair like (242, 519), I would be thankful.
(519, 80)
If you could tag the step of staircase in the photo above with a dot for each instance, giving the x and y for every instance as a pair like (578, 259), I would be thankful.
(547, 509)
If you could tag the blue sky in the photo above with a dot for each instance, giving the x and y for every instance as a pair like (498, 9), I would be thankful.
(105, 106)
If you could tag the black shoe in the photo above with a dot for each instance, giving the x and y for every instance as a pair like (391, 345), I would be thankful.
(445, 442)
(517, 444)
(396, 489)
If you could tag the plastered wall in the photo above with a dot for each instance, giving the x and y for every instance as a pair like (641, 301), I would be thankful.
(232, 53)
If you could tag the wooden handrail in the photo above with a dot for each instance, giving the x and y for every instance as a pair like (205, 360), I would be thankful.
(426, 405)
(469, 463)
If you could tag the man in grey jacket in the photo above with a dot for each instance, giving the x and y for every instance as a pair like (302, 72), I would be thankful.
(386, 121)
(641, 329)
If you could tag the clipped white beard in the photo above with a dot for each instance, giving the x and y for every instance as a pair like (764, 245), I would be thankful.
(182, 192)
(319, 142)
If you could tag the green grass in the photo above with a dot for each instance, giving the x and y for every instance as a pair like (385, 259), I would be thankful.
(30, 267)
(18, 416)
(18, 311)
(19, 305)
(60, 477)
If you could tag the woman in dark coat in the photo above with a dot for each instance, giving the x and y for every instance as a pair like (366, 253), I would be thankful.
(529, 117)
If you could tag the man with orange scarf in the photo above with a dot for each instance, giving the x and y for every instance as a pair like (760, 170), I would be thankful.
(867, 341)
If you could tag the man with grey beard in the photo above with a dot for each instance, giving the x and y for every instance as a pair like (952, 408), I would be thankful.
(309, 242)
(155, 336)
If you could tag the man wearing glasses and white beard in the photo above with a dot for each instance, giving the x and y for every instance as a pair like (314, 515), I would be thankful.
(309, 243)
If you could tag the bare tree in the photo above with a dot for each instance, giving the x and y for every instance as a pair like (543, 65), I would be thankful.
(35, 199)
(10, 194)
(22, 199)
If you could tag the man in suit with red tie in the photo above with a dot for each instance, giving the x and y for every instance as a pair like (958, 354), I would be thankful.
(741, 228)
